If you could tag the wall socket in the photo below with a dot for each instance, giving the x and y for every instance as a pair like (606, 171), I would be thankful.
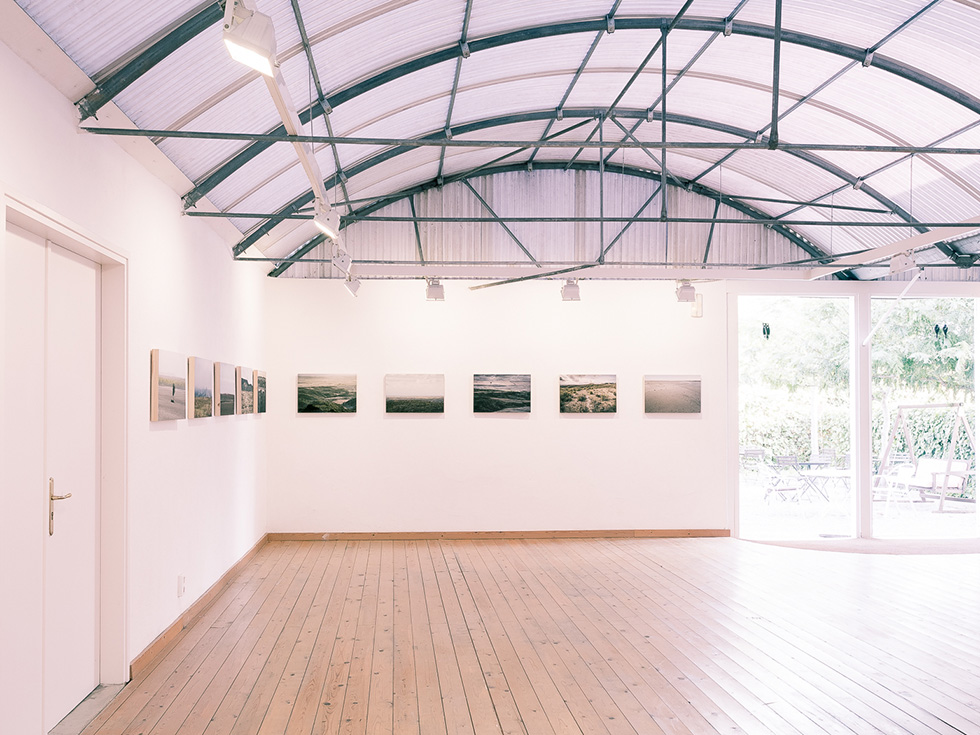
(180, 585)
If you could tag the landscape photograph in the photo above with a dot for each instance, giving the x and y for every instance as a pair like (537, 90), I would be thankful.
(587, 393)
(259, 391)
(501, 393)
(326, 393)
(246, 390)
(671, 394)
(168, 386)
(200, 373)
(415, 393)
(224, 380)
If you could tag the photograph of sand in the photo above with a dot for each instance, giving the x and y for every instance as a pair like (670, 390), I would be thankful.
(672, 394)
(259, 391)
(587, 393)
(496, 393)
(326, 393)
(224, 382)
(246, 390)
(200, 382)
(415, 393)
(168, 386)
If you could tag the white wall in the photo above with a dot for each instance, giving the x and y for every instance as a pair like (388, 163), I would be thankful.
(196, 490)
(544, 471)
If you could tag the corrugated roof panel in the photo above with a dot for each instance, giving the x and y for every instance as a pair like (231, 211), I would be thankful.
(861, 23)
(554, 56)
(499, 16)
(348, 48)
(944, 43)
(98, 34)
(934, 197)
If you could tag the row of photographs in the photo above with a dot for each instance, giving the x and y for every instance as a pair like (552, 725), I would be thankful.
(497, 393)
(214, 388)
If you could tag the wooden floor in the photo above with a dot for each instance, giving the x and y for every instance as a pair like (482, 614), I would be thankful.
(571, 636)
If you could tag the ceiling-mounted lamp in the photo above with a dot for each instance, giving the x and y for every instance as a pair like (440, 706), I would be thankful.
(342, 261)
(685, 292)
(570, 290)
(250, 37)
(434, 291)
(326, 218)
(352, 284)
(901, 263)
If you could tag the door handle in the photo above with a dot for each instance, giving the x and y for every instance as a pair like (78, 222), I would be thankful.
(51, 498)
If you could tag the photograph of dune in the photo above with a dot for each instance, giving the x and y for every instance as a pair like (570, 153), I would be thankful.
(200, 382)
(168, 386)
(259, 391)
(587, 393)
(224, 383)
(501, 393)
(246, 390)
(326, 393)
(415, 393)
(666, 394)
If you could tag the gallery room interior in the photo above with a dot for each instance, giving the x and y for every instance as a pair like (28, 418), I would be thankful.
(475, 366)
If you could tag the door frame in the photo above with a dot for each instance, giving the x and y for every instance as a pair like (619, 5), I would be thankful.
(113, 556)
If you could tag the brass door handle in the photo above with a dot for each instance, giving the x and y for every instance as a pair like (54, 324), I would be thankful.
(51, 498)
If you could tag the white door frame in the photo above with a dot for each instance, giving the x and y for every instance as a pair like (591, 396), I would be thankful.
(113, 648)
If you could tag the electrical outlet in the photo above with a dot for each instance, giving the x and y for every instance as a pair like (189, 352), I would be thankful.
(180, 585)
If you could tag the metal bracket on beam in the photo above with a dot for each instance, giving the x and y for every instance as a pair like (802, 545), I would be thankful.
(464, 49)
(728, 26)
(610, 24)
(559, 114)
(449, 133)
(869, 57)
(530, 166)
(649, 114)
(858, 184)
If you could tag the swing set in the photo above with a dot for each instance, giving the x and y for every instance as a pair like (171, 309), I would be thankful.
(929, 476)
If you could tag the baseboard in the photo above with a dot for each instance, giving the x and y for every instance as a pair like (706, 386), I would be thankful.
(153, 650)
(475, 535)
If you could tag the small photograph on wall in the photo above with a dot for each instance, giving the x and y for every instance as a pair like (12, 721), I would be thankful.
(259, 381)
(587, 393)
(415, 393)
(224, 382)
(326, 393)
(168, 386)
(672, 393)
(200, 382)
(501, 393)
(246, 390)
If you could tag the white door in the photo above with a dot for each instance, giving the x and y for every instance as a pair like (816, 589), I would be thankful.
(59, 357)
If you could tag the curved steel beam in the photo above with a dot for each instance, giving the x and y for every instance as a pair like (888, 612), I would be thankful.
(753, 213)
(114, 83)
(732, 130)
(591, 26)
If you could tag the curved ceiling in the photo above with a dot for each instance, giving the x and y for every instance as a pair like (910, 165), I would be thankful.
(464, 110)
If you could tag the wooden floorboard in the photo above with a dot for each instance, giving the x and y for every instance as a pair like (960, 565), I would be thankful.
(580, 636)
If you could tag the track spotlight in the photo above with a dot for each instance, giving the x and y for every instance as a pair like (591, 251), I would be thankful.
(250, 37)
(342, 261)
(570, 291)
(326, 218)
(352, 285)
(901, 263)
(685, 292)
(434, 291)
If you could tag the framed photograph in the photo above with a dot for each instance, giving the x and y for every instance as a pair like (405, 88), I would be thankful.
(200, 382)
(501, 393)
(168, 386)
(224, 383)
(672, 393)
(259, 382)
(587, 393)
(415, 393)
(326, 393)
(246, 390)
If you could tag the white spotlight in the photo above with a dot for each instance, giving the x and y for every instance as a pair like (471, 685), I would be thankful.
(352, 285)
(901, 263)
(342, 261)
(250, 37)
(326, 218)
(434, 291)
(570, 291)
(685, 292)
